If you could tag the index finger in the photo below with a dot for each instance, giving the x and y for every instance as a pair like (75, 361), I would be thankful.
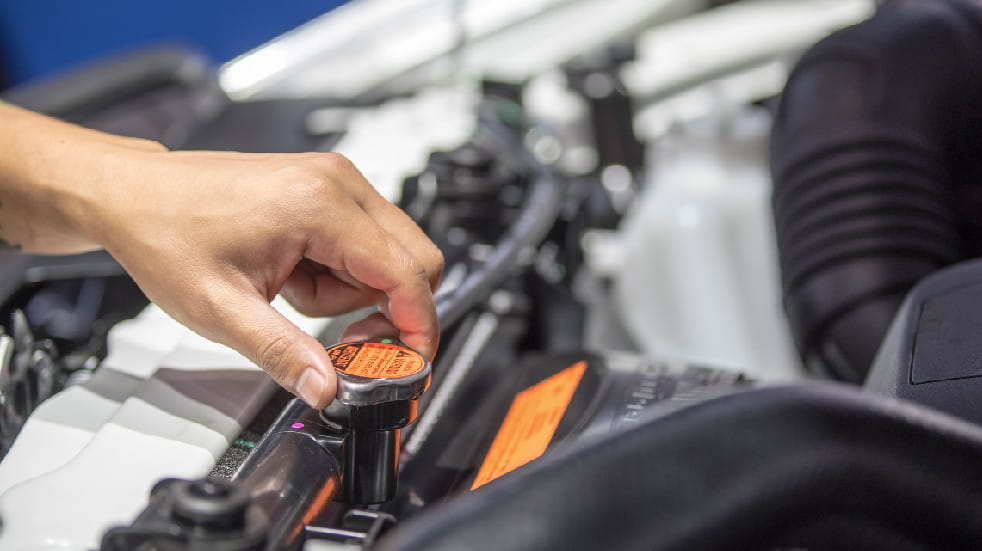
(393, 220)
(375, 258)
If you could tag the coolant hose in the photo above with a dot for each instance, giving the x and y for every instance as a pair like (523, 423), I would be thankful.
(875, 156)
(811, 467)
(539, 214)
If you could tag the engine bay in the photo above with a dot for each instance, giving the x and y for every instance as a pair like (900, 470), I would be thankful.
(702, 291)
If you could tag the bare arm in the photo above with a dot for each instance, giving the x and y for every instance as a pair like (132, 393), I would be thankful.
(212, 237)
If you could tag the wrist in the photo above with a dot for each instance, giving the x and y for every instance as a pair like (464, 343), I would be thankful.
(84, 190)
(57, 181)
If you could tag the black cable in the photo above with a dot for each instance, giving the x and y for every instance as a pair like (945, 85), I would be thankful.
(537, 217)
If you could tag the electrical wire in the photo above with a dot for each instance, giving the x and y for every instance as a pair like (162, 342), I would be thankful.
(537, 217)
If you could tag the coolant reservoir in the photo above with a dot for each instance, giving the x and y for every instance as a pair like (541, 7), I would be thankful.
(699, 277)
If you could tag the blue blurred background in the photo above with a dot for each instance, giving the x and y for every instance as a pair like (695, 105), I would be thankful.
(40, 37)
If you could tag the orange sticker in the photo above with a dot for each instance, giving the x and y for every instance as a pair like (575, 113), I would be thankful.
(375, 360)
(530, 424)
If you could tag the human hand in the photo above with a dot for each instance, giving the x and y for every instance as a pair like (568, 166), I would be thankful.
(213, 237)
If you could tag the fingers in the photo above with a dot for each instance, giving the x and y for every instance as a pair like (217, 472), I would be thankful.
(317, 291)
(392, 219)
(398, 224)
(247, 323)
(374, 258)
(374, 327)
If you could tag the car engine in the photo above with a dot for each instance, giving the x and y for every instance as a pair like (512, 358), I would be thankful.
(709, 285)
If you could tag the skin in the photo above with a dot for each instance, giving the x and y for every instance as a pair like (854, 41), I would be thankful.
(212, 237)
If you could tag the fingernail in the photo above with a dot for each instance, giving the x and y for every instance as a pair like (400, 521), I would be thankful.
(310, 386)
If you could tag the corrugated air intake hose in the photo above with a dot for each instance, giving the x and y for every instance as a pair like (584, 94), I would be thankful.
(876, 156)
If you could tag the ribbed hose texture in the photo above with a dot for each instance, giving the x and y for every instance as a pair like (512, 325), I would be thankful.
(875, 157)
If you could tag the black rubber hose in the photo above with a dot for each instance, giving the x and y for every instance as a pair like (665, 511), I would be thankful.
(538, 216)
(813, 467)
(875, 156)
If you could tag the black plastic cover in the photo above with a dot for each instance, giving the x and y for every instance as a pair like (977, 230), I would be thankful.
(821, 467)
(933, 351)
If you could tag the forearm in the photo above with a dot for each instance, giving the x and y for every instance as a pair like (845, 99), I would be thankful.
(53, 179)
(211, 237)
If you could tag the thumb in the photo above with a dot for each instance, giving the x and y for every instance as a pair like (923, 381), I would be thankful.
(289, 355)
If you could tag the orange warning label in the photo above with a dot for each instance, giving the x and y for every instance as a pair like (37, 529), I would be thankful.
(530, 424)
(375, 360)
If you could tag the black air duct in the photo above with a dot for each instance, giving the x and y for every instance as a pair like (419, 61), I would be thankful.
(876, 152)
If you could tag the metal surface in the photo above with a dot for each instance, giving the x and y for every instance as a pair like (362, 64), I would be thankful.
(355, 390)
